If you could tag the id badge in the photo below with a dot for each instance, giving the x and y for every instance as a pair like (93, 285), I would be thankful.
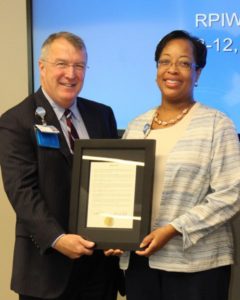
(47, 136)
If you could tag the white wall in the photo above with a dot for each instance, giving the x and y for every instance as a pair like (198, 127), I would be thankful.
(14, 87)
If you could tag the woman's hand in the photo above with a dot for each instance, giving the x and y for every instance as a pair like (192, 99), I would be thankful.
(156, 240)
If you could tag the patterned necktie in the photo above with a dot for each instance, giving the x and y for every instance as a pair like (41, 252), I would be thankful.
(72, 132)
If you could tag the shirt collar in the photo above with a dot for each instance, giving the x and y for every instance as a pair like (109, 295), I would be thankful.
(59, 110)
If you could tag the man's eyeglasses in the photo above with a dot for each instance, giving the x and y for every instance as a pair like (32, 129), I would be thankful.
(180, 64)
(63, 65)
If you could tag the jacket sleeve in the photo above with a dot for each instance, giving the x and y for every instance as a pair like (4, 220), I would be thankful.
(222, 201)
(19, 166)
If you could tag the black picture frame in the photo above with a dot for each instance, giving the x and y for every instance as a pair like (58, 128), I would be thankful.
(130, 150)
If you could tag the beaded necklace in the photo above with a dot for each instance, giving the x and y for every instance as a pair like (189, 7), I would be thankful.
(172, 121)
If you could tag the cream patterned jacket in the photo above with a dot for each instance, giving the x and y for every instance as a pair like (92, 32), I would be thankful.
(201, 192)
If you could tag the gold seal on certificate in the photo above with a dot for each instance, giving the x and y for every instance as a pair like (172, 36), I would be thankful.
(111, 191)
(108, 221)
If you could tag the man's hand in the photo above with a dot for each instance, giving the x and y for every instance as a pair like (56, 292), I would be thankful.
(113, 252)
(74, 246)
(156, 240)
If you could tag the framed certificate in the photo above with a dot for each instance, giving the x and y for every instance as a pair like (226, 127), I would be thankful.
(111, 194)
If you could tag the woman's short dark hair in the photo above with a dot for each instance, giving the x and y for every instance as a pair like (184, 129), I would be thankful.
(199, 48)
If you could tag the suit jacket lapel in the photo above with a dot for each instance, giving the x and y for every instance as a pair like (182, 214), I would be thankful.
(51, 119)
(89, 119)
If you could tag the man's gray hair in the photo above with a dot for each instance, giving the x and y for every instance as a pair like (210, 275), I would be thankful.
(73, 39)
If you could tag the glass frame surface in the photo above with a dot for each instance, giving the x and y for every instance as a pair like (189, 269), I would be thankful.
(142, 151)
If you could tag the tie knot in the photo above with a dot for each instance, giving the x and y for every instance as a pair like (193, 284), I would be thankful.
(67, 113)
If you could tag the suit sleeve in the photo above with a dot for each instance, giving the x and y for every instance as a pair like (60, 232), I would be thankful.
(19, 166)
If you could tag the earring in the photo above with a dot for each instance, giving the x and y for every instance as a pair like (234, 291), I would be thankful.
(196, 84)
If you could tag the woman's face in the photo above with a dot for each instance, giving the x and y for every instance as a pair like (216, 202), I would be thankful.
(176, 73)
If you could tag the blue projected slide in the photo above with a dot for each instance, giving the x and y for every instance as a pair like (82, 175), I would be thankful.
(121, 37)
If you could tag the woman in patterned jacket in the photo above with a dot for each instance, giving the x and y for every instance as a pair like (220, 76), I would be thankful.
(188, 253)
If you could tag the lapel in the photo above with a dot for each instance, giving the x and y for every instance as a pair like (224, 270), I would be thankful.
(140, 127)
(51, 119)
(90, 118)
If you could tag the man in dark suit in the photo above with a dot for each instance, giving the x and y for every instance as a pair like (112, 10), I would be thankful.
(49, 262)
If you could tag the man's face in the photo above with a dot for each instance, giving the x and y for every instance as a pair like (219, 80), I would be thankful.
(62, 71)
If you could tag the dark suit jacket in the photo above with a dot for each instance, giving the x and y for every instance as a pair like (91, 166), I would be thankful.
(37, 182)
